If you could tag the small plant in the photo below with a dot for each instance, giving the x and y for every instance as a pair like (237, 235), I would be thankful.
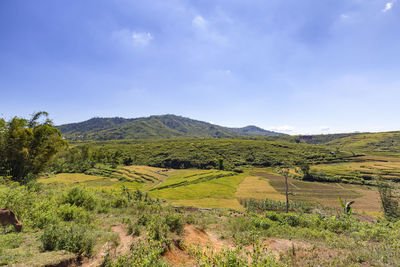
(347, 209)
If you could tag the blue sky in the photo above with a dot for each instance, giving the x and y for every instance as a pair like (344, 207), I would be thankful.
(294, 66)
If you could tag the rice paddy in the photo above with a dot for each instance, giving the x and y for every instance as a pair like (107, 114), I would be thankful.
(365, 168)
(224, 189)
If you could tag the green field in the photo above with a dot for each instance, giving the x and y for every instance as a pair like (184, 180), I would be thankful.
(224, 189)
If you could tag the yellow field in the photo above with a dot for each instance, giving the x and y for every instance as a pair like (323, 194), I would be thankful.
(69, 178)
(210, 203)
(255, 187)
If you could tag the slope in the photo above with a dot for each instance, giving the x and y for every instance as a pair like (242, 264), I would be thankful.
(154, 127)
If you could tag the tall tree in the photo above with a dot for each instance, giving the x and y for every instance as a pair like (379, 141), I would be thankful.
(285, 168)
(27, 146)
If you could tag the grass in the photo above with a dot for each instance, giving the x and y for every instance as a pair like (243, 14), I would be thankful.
(222, 188)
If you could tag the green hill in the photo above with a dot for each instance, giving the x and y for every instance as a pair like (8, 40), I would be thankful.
(154, 127)
(384, 143)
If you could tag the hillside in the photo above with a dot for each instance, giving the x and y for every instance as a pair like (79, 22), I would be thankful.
(154, 127)
(384, 143)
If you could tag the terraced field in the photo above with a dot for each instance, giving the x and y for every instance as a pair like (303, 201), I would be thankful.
(326, 194)
(223, 189)
(363, 170)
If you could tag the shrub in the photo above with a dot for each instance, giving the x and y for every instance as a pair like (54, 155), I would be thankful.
(119, 202)
(74, 238)
(80, 197)
(263, 223)
(174, 222)
(73, 213)
(289, 219)
(143, 220)
(157, 229)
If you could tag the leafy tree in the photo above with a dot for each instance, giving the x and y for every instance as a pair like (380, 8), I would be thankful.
(220, 164)
(27, 146)
(305, 168)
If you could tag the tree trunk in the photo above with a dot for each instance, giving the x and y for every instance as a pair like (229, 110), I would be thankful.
(287, 193)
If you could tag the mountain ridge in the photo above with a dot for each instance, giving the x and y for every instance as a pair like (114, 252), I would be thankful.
(155, 127)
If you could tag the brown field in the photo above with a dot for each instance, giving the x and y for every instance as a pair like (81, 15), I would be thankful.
(366, 199)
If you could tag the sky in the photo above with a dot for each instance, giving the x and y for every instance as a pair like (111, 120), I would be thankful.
(298, 67)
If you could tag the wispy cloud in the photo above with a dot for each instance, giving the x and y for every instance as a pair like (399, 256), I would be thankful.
(142, 38)
(199, 22)
(129, 38)
(388, 6)
(205, 30)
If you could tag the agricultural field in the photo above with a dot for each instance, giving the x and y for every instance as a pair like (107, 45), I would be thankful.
(224, 189)
(362, 170)
(70, 222)
(381, 144)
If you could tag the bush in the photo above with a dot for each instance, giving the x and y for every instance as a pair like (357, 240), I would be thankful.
(157, 229)
(174, 222)
(263, 223)
(80, 197)
(73, 213)
(74, 238)
(289, 219)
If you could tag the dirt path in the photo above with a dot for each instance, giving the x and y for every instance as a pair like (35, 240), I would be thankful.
(121, 249)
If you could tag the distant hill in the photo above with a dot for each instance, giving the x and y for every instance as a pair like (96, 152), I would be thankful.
(154, 127)
(383, 143)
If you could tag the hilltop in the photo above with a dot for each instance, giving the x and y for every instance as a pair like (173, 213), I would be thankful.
(154, 127)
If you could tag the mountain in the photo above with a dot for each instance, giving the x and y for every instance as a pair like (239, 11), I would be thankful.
(154, 127)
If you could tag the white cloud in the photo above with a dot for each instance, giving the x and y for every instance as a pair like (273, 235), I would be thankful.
(199, 22)
(388, 6)
(324, 128)
(142, 38)
(283, 128)
(207, 31)
(129, 39)
(344, 16)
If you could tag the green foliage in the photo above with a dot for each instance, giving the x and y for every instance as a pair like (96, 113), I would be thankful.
(27, 146)
(193, 153)
(258, 256)
(80, 197)
(143, 255)
(78, 239)
(389, 200)
(273, 205)
(347, 209)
